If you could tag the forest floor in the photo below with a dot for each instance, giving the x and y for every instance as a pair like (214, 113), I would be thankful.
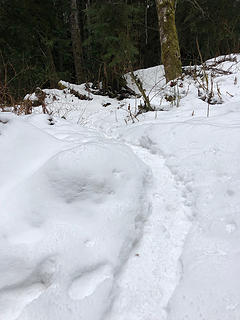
(107, 214)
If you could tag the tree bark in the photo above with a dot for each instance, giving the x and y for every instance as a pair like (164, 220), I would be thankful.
(52, 68)
(170, 50)
(76, 42)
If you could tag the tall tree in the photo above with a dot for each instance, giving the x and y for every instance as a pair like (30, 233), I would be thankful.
(111, 39)
(169, 40)
(76, 42)
(195, 19)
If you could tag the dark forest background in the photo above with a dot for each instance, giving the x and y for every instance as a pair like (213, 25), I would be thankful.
(36, 46)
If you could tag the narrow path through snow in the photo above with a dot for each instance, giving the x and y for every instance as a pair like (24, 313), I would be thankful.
(153, 270)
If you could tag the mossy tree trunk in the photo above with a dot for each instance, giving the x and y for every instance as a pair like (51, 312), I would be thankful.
(170, 51)
(76, 42)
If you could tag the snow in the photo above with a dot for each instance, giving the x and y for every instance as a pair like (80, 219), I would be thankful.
(106, 214)
(68, 221)
(206, 162)
(150, 275)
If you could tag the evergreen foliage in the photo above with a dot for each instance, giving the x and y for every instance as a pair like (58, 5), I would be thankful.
(35, 44)
(118, 35)
(214, 24)
(112, 41)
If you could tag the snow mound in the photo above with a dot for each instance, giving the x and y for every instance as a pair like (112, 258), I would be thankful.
(67, 224)
(152, 79)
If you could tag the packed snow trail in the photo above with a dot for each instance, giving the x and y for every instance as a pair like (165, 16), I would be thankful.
(63, 200)
(204, 155)
(153, 270)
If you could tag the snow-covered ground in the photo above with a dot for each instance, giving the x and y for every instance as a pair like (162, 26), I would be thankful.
(109, 215)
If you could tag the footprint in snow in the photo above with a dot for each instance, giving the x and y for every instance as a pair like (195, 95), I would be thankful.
(86, 283)
(14, 298)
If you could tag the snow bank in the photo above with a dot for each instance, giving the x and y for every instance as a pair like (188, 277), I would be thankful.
(152, 79)
(68, 221)
(203, 154)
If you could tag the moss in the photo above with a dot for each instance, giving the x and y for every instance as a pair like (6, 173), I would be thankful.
(61, 86)
(169, 40)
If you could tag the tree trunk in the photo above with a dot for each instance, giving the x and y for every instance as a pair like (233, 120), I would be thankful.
(76, 42)
(51, 68)
(168, 38)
